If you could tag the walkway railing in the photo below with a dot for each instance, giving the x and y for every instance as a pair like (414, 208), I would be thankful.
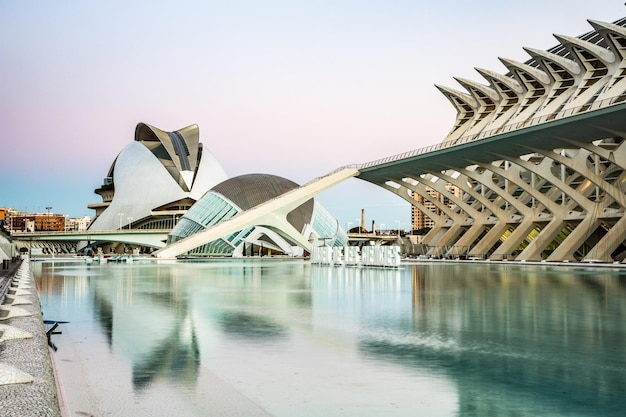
(314, 180)
(86, 232)
(492, 132)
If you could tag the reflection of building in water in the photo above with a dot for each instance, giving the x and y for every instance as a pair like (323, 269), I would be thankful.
(251, 326)
(348, 298)
(259, 313)
(176, 356)
(163, 321)
(513, 332)
(152, 325)
(538, 337)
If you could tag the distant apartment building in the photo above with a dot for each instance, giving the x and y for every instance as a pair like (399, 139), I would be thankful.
(11, 219)
(37, 222)
(419, 218)
(6, 214)
(78, 224)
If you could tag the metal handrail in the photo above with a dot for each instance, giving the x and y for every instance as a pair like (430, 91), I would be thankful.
(86, 232)
(493, 132)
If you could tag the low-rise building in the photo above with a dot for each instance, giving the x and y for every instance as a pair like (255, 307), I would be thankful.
(38, 222)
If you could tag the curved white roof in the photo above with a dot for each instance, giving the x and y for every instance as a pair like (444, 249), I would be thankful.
(143, 182)
(571, 76)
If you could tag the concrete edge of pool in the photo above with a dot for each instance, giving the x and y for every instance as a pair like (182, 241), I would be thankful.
(27, 381)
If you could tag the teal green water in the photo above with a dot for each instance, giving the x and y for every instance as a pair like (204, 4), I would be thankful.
(285, 338)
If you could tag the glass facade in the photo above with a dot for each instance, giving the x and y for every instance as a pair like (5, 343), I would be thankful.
(213, 208)
(208, 211)
(327, 227)
(158, 224)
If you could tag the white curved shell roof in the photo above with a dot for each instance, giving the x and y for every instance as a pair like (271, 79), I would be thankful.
(143, 183)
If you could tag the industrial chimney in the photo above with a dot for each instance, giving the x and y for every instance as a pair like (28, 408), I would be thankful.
(362, 220)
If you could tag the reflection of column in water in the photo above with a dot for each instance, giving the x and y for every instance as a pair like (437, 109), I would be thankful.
(346, 279)
(419, 291)
(505, 333)
(354, 299)
(146, 315)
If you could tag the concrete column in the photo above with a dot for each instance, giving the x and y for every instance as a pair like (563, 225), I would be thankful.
(575, 239)
(613, 238)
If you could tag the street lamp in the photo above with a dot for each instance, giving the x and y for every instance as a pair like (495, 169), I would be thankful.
(130, 219)
(382, 228)
(48, 219)
(120, 215)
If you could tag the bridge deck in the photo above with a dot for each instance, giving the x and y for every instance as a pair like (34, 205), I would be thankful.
(562, 133)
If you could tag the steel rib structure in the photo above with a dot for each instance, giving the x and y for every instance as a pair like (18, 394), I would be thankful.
(533, 169)
(538, 155)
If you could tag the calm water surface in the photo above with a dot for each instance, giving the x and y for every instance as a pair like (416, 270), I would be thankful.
(285, 338)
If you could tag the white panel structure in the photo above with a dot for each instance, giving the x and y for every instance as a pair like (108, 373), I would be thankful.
(534, 167)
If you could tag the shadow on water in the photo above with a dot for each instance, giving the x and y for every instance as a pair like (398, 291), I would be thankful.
(253, 327)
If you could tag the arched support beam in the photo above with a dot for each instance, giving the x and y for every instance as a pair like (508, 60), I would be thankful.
(421, 188)
(272, 213)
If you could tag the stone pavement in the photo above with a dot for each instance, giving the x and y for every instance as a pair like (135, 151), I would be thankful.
(27, 385)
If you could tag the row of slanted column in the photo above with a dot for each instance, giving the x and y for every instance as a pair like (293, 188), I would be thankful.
(557, 205)
(574, 76)
(554, 204)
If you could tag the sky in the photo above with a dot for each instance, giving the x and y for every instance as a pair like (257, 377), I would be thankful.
(290, 88)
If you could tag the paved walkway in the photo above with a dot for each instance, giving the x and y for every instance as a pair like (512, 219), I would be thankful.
(27, 385)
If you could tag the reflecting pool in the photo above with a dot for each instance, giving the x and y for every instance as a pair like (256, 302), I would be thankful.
(286, 338)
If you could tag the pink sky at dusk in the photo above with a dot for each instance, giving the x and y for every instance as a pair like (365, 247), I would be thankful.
(294, 89)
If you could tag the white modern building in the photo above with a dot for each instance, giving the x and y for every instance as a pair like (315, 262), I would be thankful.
(309, 221)
(168, 180)
(534, 168)
(538, 154)
(155, 179)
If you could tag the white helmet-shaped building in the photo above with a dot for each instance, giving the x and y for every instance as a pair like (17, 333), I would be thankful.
(309, 221)
(155, 179)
